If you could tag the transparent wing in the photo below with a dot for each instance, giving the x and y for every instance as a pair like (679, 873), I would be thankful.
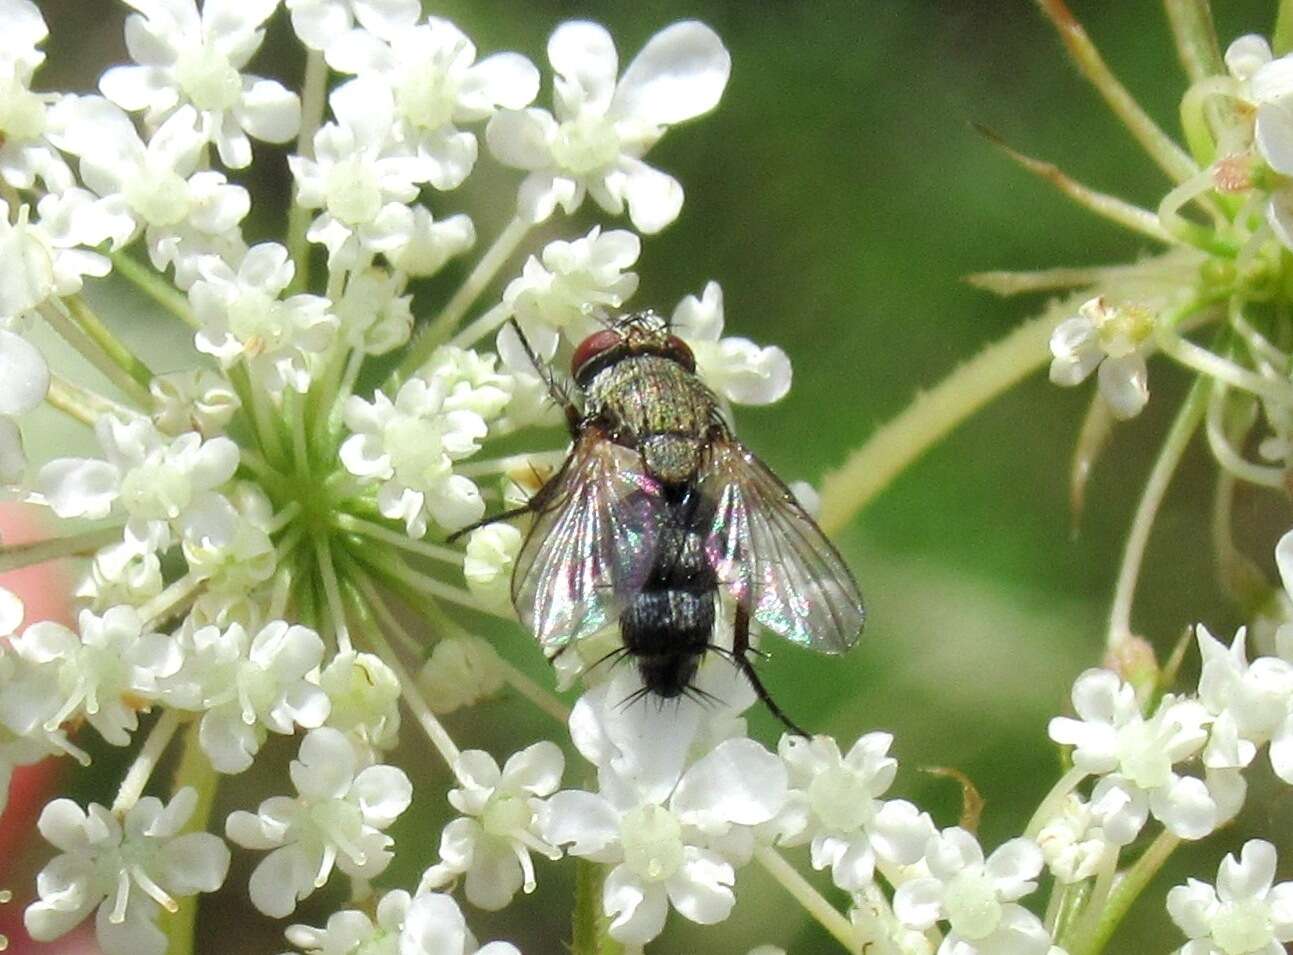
(772, 557)
(591, 546)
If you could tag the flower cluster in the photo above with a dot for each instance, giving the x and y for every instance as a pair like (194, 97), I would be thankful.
(256, 513)
(264, 516)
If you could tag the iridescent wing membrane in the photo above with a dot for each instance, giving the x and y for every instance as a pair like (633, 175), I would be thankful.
(770, 555)
(592, 545)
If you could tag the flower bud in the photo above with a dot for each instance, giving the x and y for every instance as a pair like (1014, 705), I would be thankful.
(462, 671)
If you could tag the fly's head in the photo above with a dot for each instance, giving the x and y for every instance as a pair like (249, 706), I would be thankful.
(638, 333)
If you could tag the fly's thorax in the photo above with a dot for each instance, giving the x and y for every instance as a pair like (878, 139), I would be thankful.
(659, 406)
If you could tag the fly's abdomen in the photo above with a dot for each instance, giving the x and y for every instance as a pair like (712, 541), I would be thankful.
(669, 624)
(667, 631)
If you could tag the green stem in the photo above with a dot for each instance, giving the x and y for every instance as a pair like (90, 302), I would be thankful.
(1282, 35)
(77, 403)
(256, 404)
(394, 569)
(1116, 210)
(170, 601)
(364, 608)
(313, 99)
(195, 770)
(1157, 144)
(14, 556)
(141, 770)
(932, 415)
(1072, 903)
(1196, 38)
(826, 914)
(371, 529)
(95, 353)
(440, 327)
(588, 924)
(80, 403)
(99, 333)
(1128, 889)
(154, 286)
(1053, 800)
(1188, 419)
(332, 592)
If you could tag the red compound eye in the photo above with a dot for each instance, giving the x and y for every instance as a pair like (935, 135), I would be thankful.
(592, 346)
(680, 351)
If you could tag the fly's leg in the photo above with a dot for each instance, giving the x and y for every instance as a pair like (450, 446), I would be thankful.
(544, 371)
(527, 508)
(741, 646)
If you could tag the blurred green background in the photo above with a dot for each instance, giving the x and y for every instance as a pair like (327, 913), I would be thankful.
(839, 194)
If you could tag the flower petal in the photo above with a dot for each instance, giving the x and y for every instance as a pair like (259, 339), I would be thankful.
(739, 782)
(583, 55)
(24, 376)
(678, 75)
(637, 910)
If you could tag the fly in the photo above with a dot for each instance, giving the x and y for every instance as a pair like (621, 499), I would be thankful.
(657, 510)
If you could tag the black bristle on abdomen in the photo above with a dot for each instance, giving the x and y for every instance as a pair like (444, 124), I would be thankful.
(668, 626)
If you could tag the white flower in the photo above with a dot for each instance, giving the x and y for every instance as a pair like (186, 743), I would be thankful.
(1249, 702)
(246, 687)
(602, 127)
(575, 283)
(374, 313)
(432, 242)
(242, 317)
(225, 539)
(437, 84)
(1072, 842)
(409, 446)
(365, 697)
(28, 744)
(487, 564)
(735, 368)
(834, 802)
(647, 745)
(129, 571)
(1265, 85)
(461, 671)
(24, 382)
(428, 923)
(491, 841)
(198, 399)
(874, 924)
(1246, 55)
(320, 23)
(978, 898)
(25, 154)
(336, 821)
(127, 868)
(1112, 339)
(673, 833)
(1138, 754)
(1244, 914)
(158, 186)
(191, 58)
(24, 31)
(99, 672)
(472, 380)
(155, 478)
(359, 177)
(48, 258)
